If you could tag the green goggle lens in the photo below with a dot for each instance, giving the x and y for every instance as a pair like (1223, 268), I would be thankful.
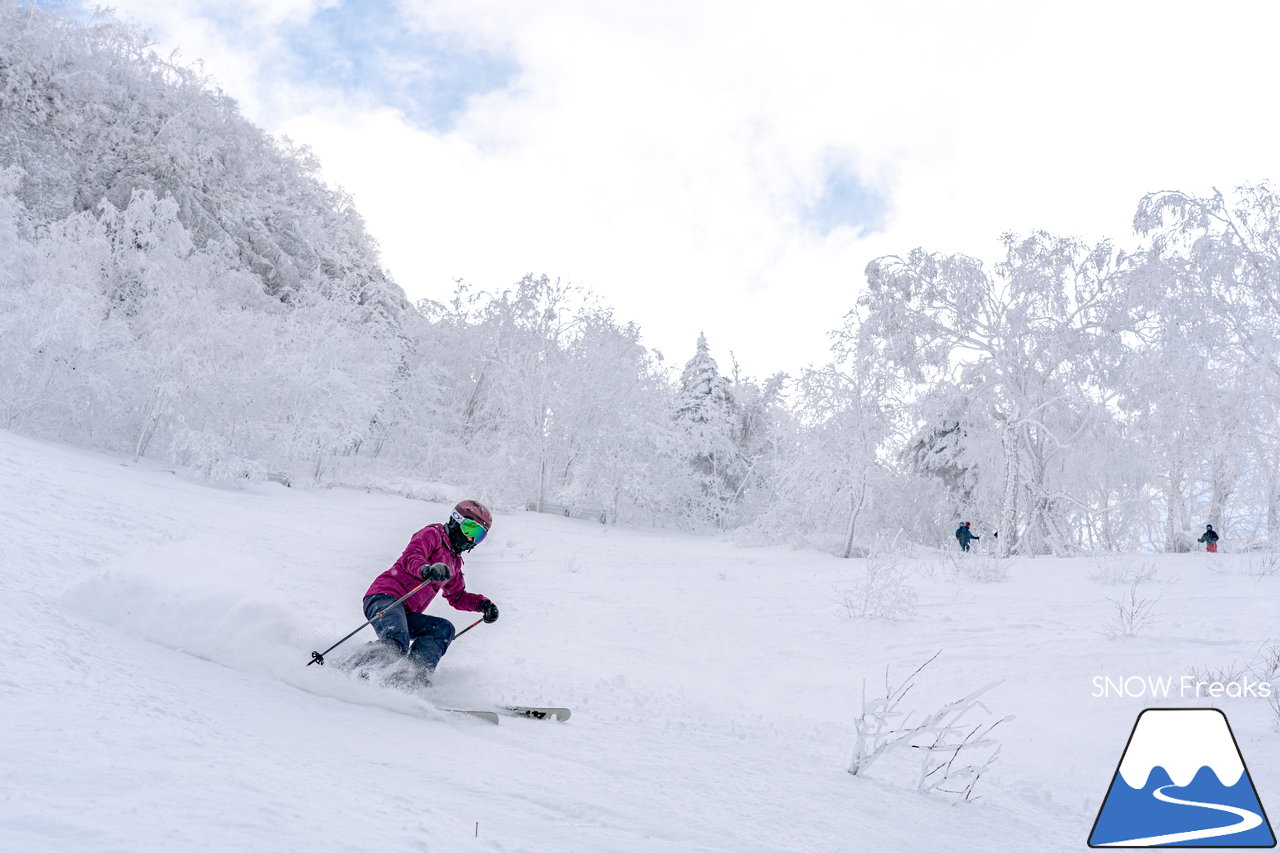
(472, 529)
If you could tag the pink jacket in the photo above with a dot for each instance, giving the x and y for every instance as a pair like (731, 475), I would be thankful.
(429, 545)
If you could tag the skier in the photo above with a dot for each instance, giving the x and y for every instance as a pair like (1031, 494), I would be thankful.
(964, 535)
(1210, 539)
(433, 554)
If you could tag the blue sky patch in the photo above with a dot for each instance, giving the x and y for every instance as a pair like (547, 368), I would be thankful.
(366, 48)
(845, 202)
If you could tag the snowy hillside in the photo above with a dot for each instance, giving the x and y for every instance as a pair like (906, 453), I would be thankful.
(154, 693)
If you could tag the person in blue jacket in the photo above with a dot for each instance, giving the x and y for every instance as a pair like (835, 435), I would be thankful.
(964, 536)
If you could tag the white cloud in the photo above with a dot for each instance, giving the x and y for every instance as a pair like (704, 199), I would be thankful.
(662, 153)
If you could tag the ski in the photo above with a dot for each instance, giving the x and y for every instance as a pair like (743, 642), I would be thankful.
(559, 714)
(490, 716)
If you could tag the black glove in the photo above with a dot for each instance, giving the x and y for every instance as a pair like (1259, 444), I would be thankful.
(435, 572)
(490, 611)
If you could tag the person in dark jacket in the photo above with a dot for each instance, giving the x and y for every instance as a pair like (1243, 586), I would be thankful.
(1210, 539)
(964, 536)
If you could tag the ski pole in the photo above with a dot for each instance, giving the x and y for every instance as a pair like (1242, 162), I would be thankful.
(318, 657)
(468, 628)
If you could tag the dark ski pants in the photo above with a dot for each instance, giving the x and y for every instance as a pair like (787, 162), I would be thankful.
(423, 638)
(964, 546)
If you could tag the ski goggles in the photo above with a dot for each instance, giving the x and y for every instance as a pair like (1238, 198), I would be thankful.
(471, 528)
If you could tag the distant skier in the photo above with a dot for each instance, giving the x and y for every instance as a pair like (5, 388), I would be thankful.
(433, 554)
(1210, 539)
(964, 536)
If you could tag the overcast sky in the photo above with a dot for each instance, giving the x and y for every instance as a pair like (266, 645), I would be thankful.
(731, 167)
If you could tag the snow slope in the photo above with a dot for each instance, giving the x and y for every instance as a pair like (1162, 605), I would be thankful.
(154, 693)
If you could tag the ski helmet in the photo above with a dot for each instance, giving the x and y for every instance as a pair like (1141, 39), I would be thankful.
(475, 511)
(1208, 527)
(468, 524)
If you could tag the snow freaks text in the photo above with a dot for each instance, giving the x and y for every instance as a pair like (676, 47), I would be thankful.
(1184, 687)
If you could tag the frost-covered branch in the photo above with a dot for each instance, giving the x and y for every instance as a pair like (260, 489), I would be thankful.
(954, 754)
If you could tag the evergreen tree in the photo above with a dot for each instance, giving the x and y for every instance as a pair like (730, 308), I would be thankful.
(707, 420)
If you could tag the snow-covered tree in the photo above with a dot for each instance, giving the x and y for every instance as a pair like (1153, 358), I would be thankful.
(1213, 264)
(91, 115)
(619, 442)
(542, 396)
(59, 344)
(763, 421)
(830, 476)
(175, 281)
(1036, 344)
(708, 422)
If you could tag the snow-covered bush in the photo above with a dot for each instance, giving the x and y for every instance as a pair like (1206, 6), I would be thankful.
(952, 753)
(980, 568)
(882, 591)
(1112, 570)
(1266, 665)
(1266, 668)
(1254, 566)
(1263, 566)
(1225, 674)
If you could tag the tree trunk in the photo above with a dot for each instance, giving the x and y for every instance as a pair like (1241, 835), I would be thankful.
(1222, 480)
(542, 479)
(855, 509)
(1273, 509)
(1172, 508)
(1009, 497)
(150, 422)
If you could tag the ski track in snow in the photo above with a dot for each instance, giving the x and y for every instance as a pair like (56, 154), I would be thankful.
(154, 693)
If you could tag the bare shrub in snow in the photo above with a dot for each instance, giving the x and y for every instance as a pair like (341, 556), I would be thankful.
(1257, 566)
(1233, 671)
(1263, 566)
(881, 592)
(1222, 566)
(987, 569)
(1267, 665)
(1134, 614)
(981, 568)
(1122, 571)
(926, 569)
(954, 754)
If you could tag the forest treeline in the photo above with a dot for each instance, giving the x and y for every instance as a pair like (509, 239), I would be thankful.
(178, 285)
